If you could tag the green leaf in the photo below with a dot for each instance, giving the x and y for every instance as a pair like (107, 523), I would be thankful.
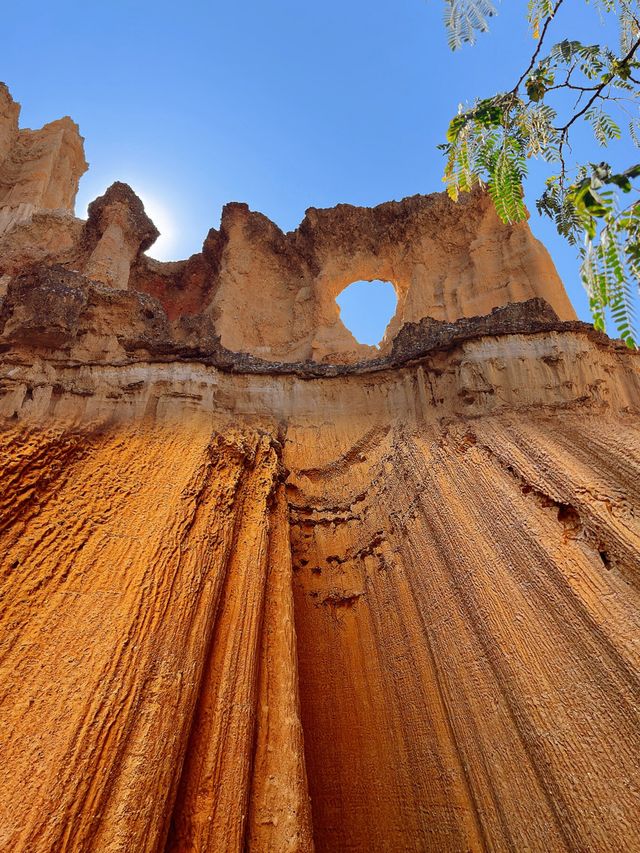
(604, 127)
(463, 18)
(538, 11)
(539, 81)
(622, 181)
(536, 125)
(628, 18)
(507, 169)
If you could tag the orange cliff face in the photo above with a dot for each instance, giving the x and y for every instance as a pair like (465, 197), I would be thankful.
(266, 589)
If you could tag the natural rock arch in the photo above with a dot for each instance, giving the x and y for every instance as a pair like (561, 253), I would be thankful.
(369, 306)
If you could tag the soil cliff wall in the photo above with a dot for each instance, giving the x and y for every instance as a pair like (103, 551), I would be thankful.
(266, 589)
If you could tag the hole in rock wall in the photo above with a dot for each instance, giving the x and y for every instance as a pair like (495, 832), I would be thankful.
(366, 307)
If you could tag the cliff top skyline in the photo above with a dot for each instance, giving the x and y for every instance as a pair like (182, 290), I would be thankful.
(285, 106)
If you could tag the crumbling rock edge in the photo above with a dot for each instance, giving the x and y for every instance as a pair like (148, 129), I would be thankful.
(49, 310)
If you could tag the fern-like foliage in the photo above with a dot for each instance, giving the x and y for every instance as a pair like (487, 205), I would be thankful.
(464, 18)
(536, 125)
(611, 255)
(556, 204)
(462, 171)
(604, 127)
(506, 169)
(491, 142)
(590, 59)
(629, 28)
(537, 12)
(606, 277)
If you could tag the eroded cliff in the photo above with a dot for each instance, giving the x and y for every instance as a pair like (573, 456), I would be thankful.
(266, 589)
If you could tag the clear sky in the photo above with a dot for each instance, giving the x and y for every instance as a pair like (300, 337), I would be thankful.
(282, 104)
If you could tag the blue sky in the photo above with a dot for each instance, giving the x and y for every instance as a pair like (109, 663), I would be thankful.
(281, 104)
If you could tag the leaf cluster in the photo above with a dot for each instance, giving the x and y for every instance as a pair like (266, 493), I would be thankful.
(464, 18)
(611, 263)
(490, 143)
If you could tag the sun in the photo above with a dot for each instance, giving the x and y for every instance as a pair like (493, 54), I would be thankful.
(164, 247)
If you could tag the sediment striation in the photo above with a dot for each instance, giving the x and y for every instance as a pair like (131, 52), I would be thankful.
(265, 588)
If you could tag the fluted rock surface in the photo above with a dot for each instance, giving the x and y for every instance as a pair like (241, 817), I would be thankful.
(274, 595)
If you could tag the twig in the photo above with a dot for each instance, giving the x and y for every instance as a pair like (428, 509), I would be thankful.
(597, 93)
(538, 48)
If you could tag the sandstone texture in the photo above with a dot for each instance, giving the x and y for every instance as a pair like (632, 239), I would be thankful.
(266, 589)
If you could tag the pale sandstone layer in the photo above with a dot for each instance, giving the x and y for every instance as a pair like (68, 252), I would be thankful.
(266, 594)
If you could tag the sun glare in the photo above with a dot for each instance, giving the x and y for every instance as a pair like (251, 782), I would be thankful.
(164, 247)
(167, 244)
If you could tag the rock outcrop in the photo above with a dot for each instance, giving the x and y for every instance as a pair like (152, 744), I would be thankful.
(39, 169)
(266, 589)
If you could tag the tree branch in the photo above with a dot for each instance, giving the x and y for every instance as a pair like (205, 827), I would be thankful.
(538, 48)
(597, 93)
